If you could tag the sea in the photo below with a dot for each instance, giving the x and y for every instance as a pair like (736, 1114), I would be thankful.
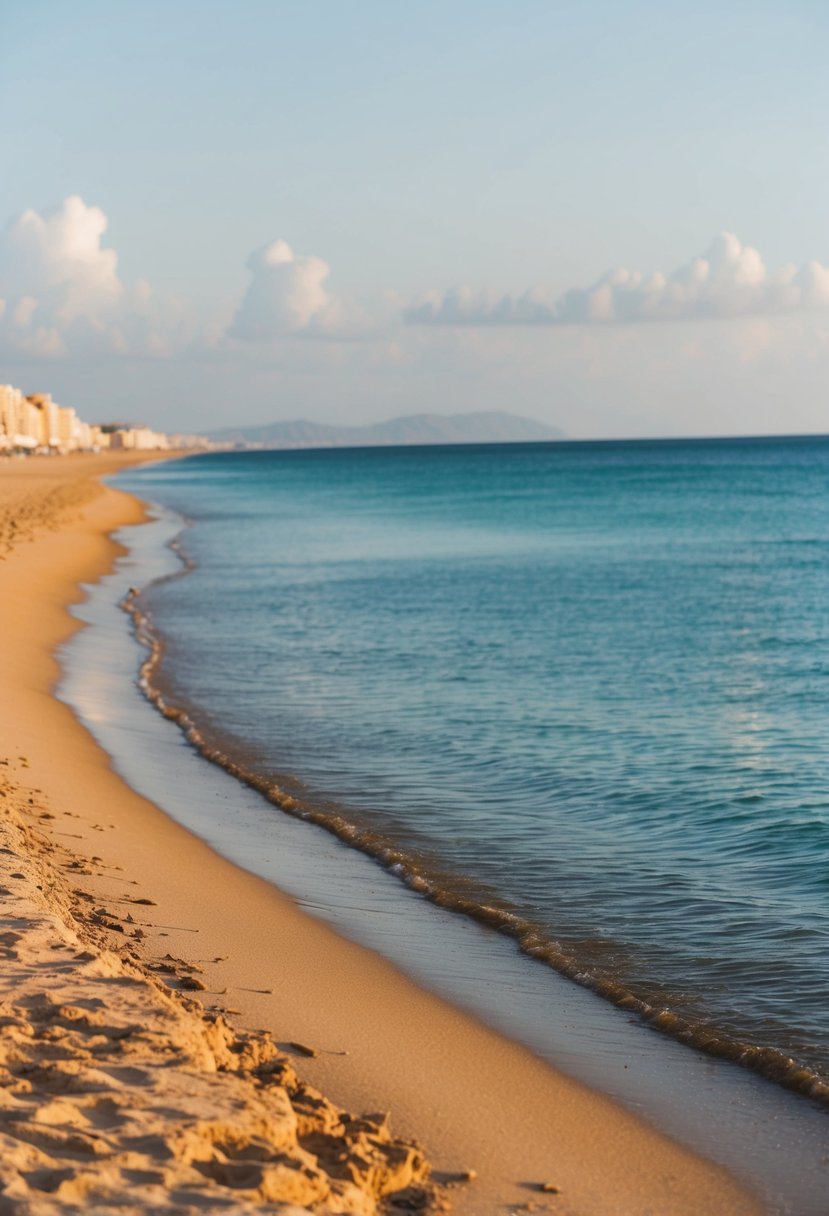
(574, 694)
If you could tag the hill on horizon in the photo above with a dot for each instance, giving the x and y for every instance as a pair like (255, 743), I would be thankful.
(495, 426)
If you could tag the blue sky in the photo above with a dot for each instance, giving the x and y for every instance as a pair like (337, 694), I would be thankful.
(400, 152)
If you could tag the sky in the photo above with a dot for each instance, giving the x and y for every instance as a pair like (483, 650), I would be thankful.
(608, 216)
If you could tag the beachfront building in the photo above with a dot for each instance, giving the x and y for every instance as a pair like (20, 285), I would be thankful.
(36, 423)
(189, 443)
(60, 429)
(66, 428)
(19, 420)
(138, 439)
(8, 415)
(48, 411)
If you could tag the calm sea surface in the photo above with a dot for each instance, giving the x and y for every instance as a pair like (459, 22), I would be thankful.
(579, 691)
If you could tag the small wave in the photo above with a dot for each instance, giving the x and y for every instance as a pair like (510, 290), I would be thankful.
(531, 938)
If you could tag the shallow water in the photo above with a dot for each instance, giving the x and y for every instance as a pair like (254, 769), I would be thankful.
(578, 690)
(773, 1139)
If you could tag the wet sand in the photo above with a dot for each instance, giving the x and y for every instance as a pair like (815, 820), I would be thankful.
(474, 1101)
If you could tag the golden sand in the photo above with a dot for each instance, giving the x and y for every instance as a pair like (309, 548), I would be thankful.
(126, 936)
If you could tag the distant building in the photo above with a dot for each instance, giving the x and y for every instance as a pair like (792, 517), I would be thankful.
(36, 423)
(19, 420)
(189, 442)
(48, 419)
(67, 419)
(8, 415)
(139, 439)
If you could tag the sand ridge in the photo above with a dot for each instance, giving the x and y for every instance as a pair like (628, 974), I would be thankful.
(110, 1079)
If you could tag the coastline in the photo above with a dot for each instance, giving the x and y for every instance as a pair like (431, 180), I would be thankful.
(530, 937)
(476, 1101)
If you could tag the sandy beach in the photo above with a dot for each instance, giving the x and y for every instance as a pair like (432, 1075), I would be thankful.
(170, 1022)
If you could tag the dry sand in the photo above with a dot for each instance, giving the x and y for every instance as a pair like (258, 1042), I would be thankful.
(177, 1111)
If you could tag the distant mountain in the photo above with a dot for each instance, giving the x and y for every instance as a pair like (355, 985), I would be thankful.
(489, 427)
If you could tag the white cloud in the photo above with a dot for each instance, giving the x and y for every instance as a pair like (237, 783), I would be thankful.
(61, 296)
(61, 293)
(467, 306)
(286, 293)
(59, 257)
(729, 279)
(287, 296)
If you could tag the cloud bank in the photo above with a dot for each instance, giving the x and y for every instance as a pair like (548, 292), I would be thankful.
(61, 296)
(60, 293)
(56, 279)
(728, 280)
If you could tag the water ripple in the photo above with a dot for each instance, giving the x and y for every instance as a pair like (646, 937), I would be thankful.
(579, 692)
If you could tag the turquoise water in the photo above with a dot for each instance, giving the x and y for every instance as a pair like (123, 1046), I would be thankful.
(578, 691)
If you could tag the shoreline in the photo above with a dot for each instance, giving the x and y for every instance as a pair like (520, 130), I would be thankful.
(476, 1101)
(768, 1138)
(530, 938)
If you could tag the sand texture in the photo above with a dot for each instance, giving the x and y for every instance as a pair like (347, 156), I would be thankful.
(118, 1092)
(43, 494)
(187, 1106)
